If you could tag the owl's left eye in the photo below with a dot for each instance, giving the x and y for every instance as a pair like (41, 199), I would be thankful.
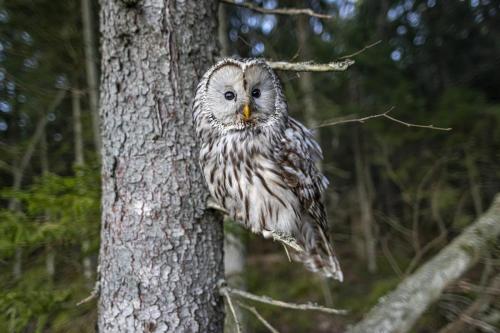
(256, 93)
(229, 95)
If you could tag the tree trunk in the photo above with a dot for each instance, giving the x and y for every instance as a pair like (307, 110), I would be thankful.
(77, 127)
(365, 200)
(306, 81)
(91, 69)
(19, 172)
(398, 311)
(161, 250)
(80, 162)
(50, 259)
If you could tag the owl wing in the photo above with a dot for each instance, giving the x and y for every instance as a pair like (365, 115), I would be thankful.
(297, 156)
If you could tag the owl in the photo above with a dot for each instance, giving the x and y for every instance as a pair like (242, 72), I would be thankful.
(259, 163)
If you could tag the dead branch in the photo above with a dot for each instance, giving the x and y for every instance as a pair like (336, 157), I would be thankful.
(278, 11)
(380, 115)
(259, 317)
(268, 300)
(308, 66)
(225, 293)
(459, 325)
(369, 46)
(400, 309)
(93, 294)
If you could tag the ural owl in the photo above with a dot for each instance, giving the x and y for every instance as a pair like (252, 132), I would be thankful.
(259, 163)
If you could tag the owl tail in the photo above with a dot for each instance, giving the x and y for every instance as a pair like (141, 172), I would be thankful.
(318, 255)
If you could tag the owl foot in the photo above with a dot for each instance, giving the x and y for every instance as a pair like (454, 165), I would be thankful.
(214, 205)
(285, 239)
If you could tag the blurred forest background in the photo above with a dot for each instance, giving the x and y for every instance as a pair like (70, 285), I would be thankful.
(398, 194)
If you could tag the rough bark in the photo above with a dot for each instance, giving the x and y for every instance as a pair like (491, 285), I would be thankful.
(91, 61)
(398, 311)
(161, 250)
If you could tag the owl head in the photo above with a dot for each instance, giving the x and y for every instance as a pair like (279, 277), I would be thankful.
(239, 95)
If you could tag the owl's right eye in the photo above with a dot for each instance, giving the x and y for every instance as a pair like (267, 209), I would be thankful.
(229, 95)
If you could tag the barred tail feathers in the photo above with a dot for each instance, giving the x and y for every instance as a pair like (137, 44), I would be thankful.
(318, 255)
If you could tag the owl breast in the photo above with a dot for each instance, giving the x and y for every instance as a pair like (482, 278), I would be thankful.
(243, 178)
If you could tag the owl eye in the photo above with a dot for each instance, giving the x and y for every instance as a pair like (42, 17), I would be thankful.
(256, 93)
(229, 95)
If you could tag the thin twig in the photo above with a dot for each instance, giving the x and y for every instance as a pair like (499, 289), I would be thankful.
(225, 293)
(416, 125)
(268, 300)
(361, 51)
(259, 317)
(278, 11)
(93, 294)
(381, 115)
(308, 66)
(287, 254)
(390, 258)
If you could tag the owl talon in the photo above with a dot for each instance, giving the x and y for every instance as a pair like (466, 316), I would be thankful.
(287, 240)
(215, 206)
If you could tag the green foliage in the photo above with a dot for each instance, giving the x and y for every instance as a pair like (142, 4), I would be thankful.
(56, 214)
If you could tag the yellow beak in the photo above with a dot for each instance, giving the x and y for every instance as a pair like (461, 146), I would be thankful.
(246, 112)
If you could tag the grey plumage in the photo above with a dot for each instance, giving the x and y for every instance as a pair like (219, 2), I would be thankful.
(258, 162)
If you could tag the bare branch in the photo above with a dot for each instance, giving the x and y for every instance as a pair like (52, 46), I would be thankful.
(400, 309)
(415, 125)
(308, 66)
(278, 11)
(477, 306)
(361, 51)
(268, 300)
(381, 115)
(95, 292)
(259, 317)
(225, 293)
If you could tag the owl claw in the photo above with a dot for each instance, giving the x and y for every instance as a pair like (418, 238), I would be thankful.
(215, 206)
(285, 239)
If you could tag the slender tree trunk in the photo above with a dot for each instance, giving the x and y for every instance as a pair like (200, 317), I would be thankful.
(161, 249)
(50, 258)
(473, 177)
(91, 61)
(399, 310)
(77, 127)
(365, 202)
(80, 162)
(306, 80)
(21, 169)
